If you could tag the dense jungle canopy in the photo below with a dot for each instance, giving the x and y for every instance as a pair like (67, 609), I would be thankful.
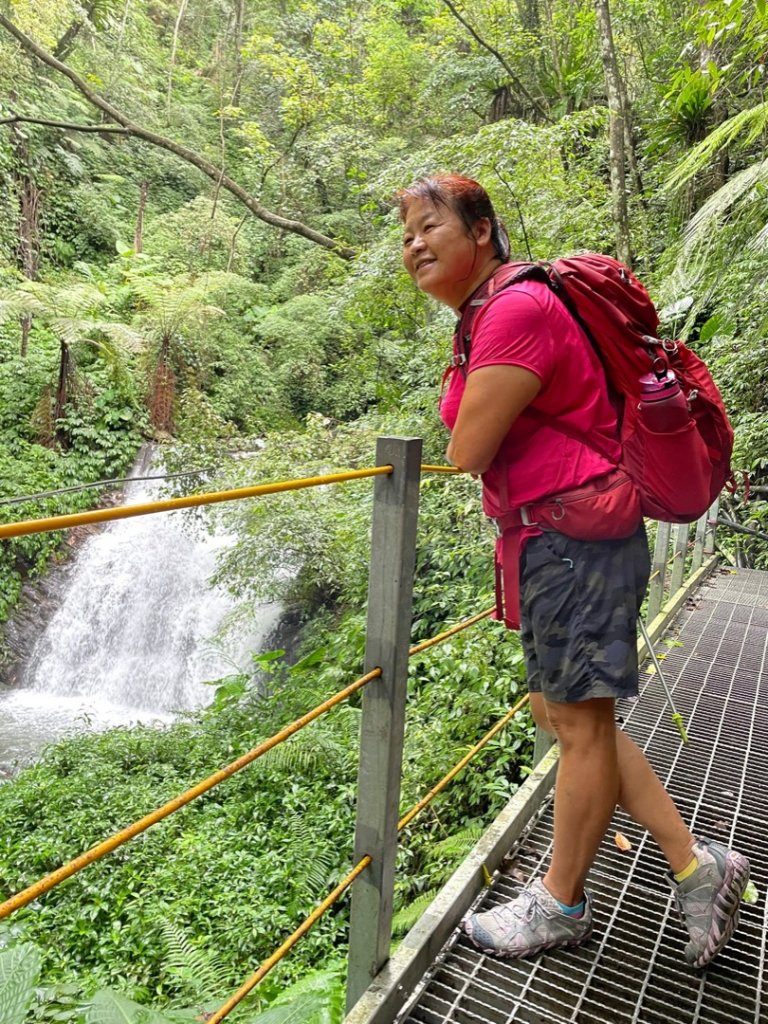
(198, 246)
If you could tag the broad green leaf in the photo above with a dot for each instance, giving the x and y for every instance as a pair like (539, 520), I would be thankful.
(108, 1007)
(19, 970)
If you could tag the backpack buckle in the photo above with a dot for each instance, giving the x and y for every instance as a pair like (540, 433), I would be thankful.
(459, 359)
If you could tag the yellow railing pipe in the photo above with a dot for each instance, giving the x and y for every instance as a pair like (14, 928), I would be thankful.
(103, 515)
(425, 644)
(289, 943)
(21, 899)
(430, 796)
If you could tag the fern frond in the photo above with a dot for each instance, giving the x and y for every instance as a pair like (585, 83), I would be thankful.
(108, 1007)
(746, 127)
(407, 917)
(459, 843)
(718, 204)
(313, 861)
(199, 971)
(318, 998)
(307, 751)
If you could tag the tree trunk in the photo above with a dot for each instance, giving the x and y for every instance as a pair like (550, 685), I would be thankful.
(528, 12)
(238, 45)
(67, 41)
(172, 59)
(614, 86)
(29, 227)
(708, 54)
(62, 389)
(138, 236)
(190, 156)
(554, 49)
(535, 105)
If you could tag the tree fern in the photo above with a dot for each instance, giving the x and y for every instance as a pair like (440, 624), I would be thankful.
(745, 128)
(721, 202)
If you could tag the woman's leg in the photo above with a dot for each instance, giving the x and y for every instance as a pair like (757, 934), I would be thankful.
(586, 792)
(640, 791)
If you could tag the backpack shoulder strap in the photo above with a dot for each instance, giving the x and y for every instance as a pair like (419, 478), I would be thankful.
(507, 275)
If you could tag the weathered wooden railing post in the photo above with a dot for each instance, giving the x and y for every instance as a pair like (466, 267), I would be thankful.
(678, 559)
(658, 578)
(390, 598)
(709, 538)
(698, 544)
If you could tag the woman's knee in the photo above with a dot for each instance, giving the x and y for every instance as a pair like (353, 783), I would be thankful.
(583, 723)
(539, 713)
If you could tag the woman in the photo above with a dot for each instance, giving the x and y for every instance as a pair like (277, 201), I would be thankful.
(531, 415)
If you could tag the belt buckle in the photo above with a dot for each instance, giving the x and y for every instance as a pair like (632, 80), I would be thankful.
(525, 517)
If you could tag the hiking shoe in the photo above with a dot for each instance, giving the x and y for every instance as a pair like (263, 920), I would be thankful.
(532, 922)
(708, 900)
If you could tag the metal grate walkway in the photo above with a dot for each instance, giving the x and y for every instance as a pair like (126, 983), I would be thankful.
(632, 970)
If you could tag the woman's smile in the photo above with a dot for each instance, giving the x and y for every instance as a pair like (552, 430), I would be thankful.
(442, 255)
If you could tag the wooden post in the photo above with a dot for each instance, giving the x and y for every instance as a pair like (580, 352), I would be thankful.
(680, 552)
(658, 571)
(698, 544)
(709, 539)
(542, 743)
(390, 594)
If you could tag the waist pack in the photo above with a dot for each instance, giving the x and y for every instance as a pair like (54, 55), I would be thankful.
(678, 473)
(607, 508)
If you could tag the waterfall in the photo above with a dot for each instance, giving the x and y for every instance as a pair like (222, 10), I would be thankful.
(134, 637)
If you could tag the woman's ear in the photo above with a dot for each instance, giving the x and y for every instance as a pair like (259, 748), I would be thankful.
(482, 230)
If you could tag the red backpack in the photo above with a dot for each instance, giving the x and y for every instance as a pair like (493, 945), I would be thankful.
(678, 473)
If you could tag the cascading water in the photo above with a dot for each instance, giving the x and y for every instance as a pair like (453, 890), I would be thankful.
(134, 636)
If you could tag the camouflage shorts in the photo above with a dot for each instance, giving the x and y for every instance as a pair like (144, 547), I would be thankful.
(579, 602)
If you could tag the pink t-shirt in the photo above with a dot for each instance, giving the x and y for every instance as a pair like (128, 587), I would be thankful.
(526, 325)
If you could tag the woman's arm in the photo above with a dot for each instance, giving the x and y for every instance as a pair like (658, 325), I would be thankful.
(493, 398)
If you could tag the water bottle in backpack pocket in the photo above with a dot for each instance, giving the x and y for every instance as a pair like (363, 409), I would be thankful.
(663, 406)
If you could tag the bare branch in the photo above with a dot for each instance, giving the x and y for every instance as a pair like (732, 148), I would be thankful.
(487, 46)
(66, 125)
(216, 174)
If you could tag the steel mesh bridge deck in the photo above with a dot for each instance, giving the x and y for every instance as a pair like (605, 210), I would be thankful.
(633, 969)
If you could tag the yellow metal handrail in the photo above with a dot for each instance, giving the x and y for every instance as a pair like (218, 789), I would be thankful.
(289, 943)
(103, 515)
(430, 796)
(26, 896)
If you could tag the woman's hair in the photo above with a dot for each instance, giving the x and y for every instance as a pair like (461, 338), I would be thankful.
(468, 200)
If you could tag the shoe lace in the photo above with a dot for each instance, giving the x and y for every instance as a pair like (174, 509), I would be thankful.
(531, 904)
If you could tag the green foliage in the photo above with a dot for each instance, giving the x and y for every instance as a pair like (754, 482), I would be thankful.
(240, 333)
(19, 971)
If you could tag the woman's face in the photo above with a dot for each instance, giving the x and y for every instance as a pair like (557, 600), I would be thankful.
(439, 252)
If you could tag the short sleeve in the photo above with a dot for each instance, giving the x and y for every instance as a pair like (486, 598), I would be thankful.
(513, 329)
